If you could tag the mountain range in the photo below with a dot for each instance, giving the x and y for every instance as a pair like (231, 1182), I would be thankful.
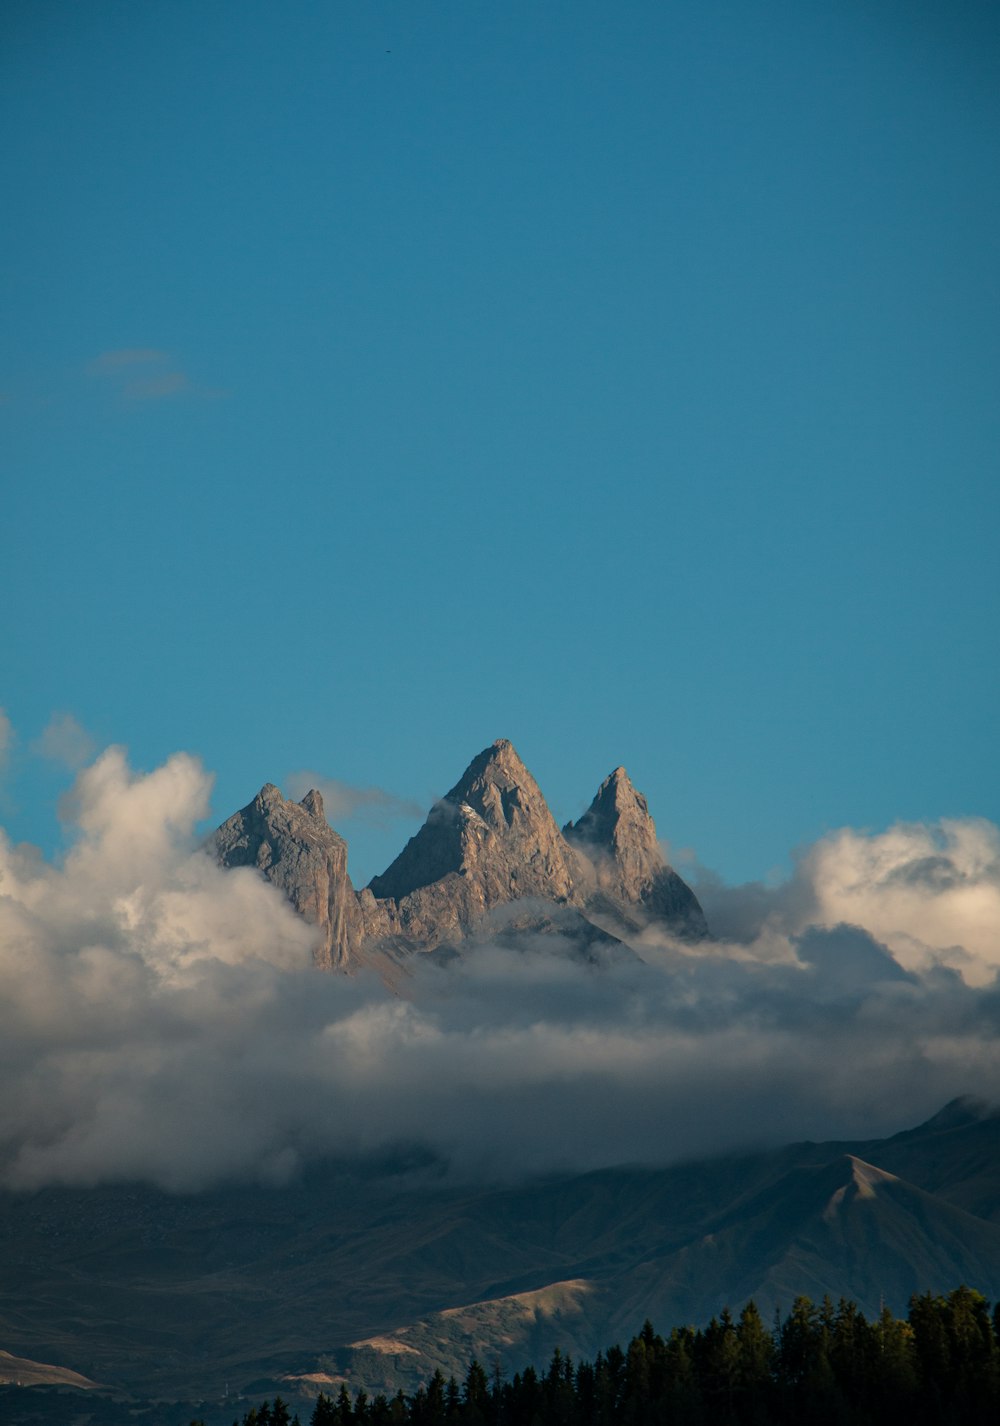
(379, 1268)
(377, 1273)
(489, 844)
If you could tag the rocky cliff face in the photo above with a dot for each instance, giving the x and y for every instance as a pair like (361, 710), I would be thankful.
(488, 843)
(296, 848)
(617, 836)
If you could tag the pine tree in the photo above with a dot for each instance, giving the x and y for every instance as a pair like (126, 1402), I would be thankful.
(324, 1412)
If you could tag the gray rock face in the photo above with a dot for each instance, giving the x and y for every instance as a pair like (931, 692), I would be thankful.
(299, 852)
(618, 837)
(487, 844)
(489, 841)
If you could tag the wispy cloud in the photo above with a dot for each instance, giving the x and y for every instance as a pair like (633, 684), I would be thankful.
(140, 374)
(6, 738)
(125, 357)
(157, 388)
(63, 740)
(346, 802)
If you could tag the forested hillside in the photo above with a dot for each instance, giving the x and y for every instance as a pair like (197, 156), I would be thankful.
(940, 1364)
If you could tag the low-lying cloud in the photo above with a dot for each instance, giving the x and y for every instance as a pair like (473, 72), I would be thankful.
(930, 893)
(161, 1019)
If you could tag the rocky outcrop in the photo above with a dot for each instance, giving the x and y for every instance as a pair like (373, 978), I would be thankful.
(617, 836)
(299, 852)
(489, 843)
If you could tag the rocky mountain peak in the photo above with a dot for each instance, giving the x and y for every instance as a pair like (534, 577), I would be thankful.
(499, 787)
(617, 823)
(298, 851)
(487, 843)
(313, 803)
(618, 838)
(494, 831)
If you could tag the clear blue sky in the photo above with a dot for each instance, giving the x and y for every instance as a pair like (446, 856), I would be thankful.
(381, 377)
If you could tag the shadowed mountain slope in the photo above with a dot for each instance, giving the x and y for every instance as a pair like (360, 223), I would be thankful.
(168, 1293)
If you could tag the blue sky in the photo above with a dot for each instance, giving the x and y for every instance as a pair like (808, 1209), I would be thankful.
(381, 378)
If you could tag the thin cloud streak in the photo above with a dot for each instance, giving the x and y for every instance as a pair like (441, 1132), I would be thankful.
(161, 377)
(7, 738)
(125, 357)
(171, 383)
(347, 802)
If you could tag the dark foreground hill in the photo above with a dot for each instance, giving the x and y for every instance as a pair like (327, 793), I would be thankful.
(383, 1273)
(826, 1363)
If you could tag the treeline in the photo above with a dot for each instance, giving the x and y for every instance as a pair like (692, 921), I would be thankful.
(825, 1365)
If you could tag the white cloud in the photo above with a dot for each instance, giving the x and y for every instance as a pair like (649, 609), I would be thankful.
(160, 1017)
(931, 893)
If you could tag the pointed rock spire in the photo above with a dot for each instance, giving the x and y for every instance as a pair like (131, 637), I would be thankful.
(490, 840)
(499, 788)
(295, 847)
(617, 823)
(618, 837)
(313, 802)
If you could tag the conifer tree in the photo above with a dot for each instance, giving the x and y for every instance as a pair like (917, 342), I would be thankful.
(324, 1412)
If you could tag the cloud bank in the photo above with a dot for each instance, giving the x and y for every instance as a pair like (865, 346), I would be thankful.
(161, 1020)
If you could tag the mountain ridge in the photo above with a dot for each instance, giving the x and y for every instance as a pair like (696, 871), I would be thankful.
(163, 1292)
(490, 842)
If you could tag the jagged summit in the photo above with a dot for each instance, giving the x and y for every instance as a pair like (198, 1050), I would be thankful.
(489, 842)
(313, 802)
(295, 847)
(618, 837)
(495, 831)
(499, 787)
(496, 784)
(617, 822)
